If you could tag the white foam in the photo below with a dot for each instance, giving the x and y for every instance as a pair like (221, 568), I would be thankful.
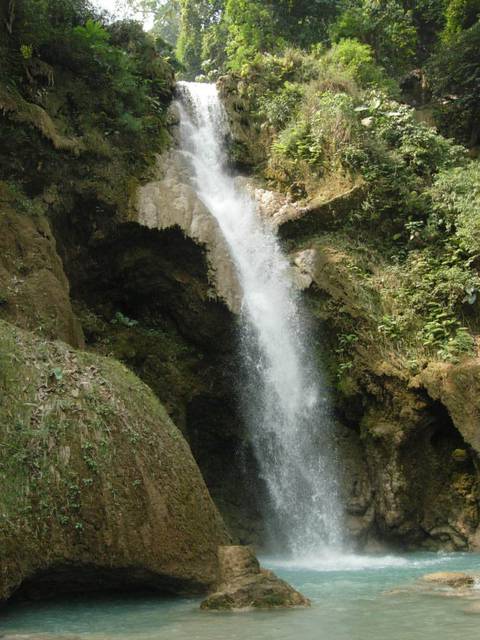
(336, 561)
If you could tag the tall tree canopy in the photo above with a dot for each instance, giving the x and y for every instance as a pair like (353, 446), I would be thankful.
(196, 17)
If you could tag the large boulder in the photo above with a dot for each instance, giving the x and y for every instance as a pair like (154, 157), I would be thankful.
(243, 585)
(98, 487)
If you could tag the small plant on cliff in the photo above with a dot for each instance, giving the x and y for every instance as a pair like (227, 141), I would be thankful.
(125, 321)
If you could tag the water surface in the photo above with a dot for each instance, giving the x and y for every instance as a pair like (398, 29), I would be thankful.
(350, 601)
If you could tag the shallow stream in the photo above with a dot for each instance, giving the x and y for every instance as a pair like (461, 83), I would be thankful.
(350, 601)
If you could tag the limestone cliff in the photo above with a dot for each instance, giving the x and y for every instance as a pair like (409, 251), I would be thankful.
(412, 475)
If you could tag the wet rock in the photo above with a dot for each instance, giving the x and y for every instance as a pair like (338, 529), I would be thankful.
(245, 585)
(456, 580)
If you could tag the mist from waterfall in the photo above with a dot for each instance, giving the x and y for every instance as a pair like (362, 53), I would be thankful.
(285, 403)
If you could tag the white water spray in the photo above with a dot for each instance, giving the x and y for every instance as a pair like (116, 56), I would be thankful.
(286, 408)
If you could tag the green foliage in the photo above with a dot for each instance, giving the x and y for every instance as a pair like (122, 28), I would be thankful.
(123, 320)
(75, 83)
(196, 18)
(358, 60)
(329, 127)
(456, 207)
(256, 27)
(455, 78)
(214, 54)
(459, 15)
(167, 21)
(278, 107)
(387, 27)
(432, 290)
(228, 34)
(323, 134)
(251, 31)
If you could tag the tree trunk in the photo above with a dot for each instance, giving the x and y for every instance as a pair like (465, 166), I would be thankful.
(10, 16)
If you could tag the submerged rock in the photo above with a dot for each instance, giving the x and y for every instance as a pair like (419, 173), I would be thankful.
(454, 579)
(473, 609)
(244, 584)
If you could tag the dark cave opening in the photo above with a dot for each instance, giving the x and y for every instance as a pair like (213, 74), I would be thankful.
(83, 581)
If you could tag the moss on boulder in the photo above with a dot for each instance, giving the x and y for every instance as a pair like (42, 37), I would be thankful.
(34, 290)
(96, 479)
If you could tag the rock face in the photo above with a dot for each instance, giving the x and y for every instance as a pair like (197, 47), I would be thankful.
(170, 201)
(99, 489)
(34, 290)
(243, 585)
(458, 388)
(144, 296)
(411, 477)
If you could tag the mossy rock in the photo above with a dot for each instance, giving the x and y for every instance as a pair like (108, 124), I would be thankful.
(96, 479)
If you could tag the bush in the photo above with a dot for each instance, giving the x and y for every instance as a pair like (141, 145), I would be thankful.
(455, 78)
(386, 26)
(279, 107)
(102, 88)
(456, 206)
(358, 59)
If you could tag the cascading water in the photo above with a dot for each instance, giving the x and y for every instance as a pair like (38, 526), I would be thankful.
(286, 408)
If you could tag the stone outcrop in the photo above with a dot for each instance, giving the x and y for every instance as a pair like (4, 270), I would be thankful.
(99, 488)
(410, 474)
(144, 297)
(458, 388)
(244, 585)
(168, 201)
(34, 290)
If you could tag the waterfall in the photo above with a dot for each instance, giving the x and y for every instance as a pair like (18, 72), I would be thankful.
(283, 395)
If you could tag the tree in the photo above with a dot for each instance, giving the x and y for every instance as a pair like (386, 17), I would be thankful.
(304, 22)
(167, 21)
(196, 17)
(255, 26)
(386, 25)
(429, 20)
(251, 30)
(455, 78)
(460, 15)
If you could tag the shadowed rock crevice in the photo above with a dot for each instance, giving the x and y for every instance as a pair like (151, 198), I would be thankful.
(144, 296)
(59, 581)
(423, 477)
